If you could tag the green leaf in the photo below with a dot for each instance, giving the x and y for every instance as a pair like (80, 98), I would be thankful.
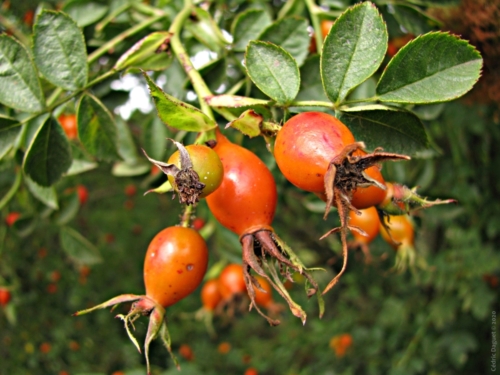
(412, 19)
(97, 128)
(291, 34)
(126, 145)
(177, 114)
(154, 138)
(30, 129)
(128, 169)
(48, 155)
(203, 27)
(429, 112)
(78, 248)
(147, 53)
(393, 129)
(70, 205)
(85, 12)
(432, 68)
(18, 73)
(273, 70)
(9, 130)
(248, 123)
(247, 26)
(46, 195)
(353, 50)
(60, 51)
(79, 166)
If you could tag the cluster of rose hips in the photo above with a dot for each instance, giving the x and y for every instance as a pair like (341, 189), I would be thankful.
(316, 153)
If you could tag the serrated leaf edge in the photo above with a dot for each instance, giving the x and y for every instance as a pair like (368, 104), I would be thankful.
(404, 50)
(255, 42)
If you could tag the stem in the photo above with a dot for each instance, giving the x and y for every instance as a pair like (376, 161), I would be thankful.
(98, 53)
(313, 12)
(76, 93)
(119, 38)
(12, 191)
(53, 97)
(364, 100)
(72, 95)
(147, 9)
(233, 90)
(310, 103)
(199, 85)
(101, 25)
(186, 216)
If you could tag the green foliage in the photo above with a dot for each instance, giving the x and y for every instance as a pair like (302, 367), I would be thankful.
(353, 50)
(59, 50)
(9, 129)
(394, 129)
(18, 71)
(177, 114)
(248, 26)
(97, 128)
(273, 70)
(290, 33)
(146, 53)
(432, 68)
(49, 154)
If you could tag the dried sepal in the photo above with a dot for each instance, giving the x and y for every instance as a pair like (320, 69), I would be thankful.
(345, 174)
(186, 180)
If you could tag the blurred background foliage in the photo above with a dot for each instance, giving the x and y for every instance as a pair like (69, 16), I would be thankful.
(435, 321)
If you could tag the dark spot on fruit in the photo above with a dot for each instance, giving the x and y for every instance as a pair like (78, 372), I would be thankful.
(189, 267)
(179, 271)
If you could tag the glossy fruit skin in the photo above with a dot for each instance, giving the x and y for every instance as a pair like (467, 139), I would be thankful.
(372, 195)
(231, 281)
(5, 297)
(246, 199)
(261, 298)
(402, 231)
(368, 221)
(206, 163)
(210, 295)
(68, 123)
(306, 144)
(176, 261)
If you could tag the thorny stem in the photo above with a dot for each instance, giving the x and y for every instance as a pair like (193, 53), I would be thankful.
(199, 85)
(186, 216)
(50, 108)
